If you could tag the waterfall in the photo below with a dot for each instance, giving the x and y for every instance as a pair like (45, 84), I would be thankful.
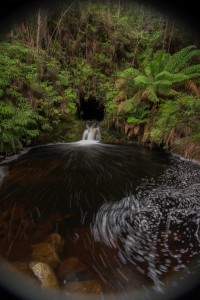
(92, 131)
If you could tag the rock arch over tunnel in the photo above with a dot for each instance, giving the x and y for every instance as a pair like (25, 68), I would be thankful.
(90, 109)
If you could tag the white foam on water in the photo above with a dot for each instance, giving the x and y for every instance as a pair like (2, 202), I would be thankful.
(164, 216)
(87, 142)
(15, 156)
(193, 161)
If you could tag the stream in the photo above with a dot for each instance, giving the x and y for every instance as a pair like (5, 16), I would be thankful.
(128, 214)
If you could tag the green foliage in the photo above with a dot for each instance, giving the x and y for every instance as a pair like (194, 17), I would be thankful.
(183, 113)
(166, 120)
(154, 95)
(125, 59)
(180, 59)
(17, 125)
(135, 121)
(139, 115)
(34, 84)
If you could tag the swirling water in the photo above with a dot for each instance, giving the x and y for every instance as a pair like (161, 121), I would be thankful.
(131, 214)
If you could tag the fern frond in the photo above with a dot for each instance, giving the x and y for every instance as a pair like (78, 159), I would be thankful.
(128, 106)
(141, 81)
(158, 63)
(180, 59)
(167, 91)
(164, 75)
(191, 69)
(163, 83)
(151, 94)
(136, 121)
(130, 72)
(178, 78)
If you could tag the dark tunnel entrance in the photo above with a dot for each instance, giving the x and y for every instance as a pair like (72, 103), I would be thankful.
(90, 109)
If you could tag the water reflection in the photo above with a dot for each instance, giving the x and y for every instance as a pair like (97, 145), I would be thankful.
(130, 214)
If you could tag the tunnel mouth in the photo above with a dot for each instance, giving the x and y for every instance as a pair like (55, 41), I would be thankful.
(90, 109)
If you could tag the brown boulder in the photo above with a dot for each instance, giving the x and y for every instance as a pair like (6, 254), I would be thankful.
(71, 265)
(84, 287)
(45, 252)
(44, 273)
(57, 242)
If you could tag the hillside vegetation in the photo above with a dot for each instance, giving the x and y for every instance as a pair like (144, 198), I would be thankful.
(139, 65)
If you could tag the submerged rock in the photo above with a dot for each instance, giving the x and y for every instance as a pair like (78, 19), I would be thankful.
(57, 242)
(84, 287)
(46, 253)
(44, 273)
(71, 265)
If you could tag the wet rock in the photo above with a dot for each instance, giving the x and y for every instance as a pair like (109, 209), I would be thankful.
(71, 265)
(80, 276)
(44, 273)
(46, 253)
(68, 277)
(21, 266)
(84, 287)
(57, 241)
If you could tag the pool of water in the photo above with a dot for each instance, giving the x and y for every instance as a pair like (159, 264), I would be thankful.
(129, 216)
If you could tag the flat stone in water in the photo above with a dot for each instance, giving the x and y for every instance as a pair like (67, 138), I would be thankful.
(84, 287)
(44, 273)
(71, 265)
(46, 253)
(57, 242)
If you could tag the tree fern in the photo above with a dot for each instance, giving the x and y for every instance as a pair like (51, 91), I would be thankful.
(139, 116)
(135, 121)
(195, 69)
(129, 73)
(151, 94)
(158, 63)
(141, 81)
(128, 106)
(180, 59)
